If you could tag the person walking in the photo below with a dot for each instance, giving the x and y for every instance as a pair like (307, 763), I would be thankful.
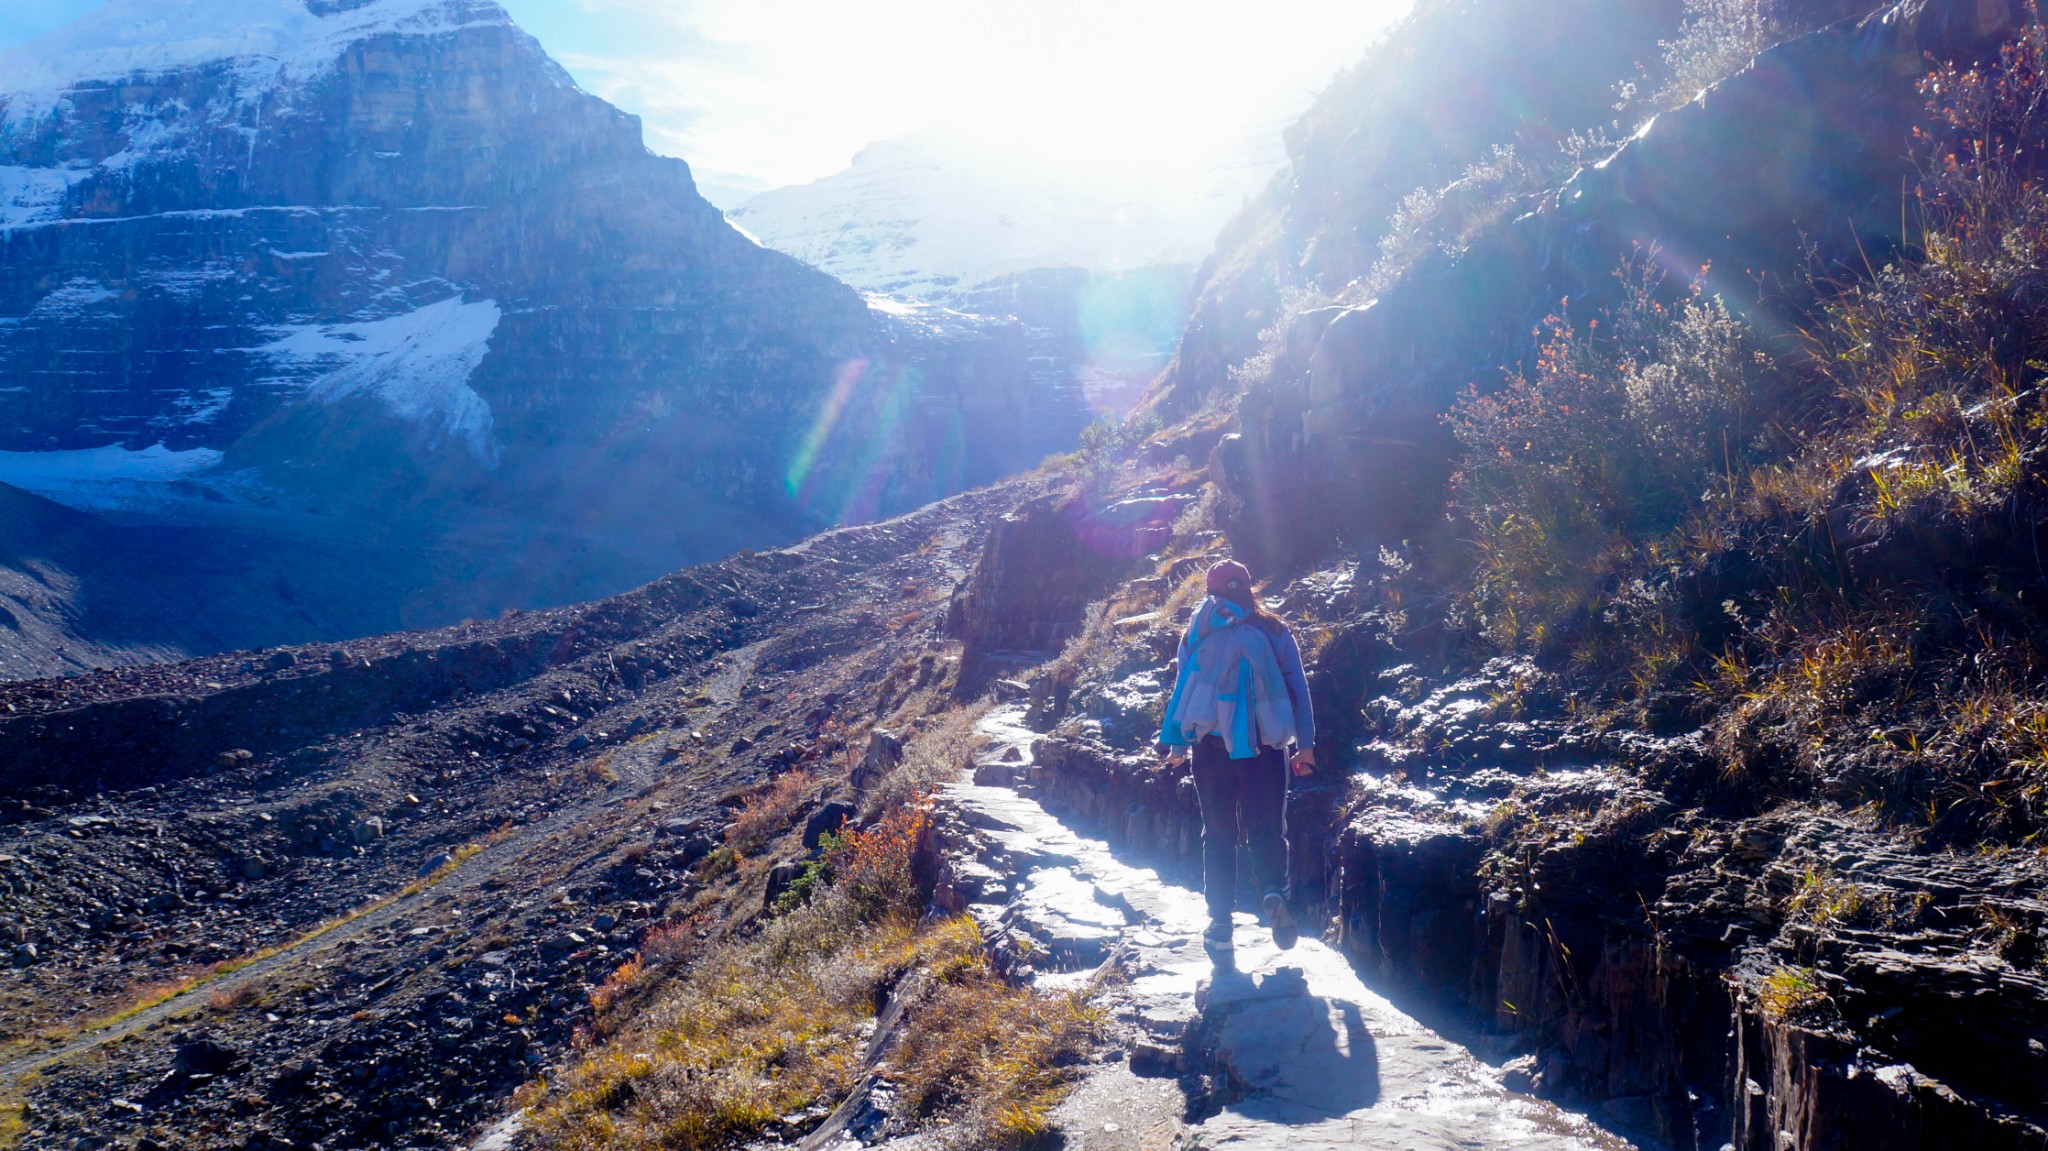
(1239, 701)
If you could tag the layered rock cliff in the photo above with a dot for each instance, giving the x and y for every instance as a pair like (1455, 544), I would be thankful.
(379, 275)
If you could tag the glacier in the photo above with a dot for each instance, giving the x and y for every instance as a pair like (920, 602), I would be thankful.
(417, 365)
(109, 478)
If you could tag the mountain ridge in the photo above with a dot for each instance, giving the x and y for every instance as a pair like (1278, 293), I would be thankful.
(420, 292)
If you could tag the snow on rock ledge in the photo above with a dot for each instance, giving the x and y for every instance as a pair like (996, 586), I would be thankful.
(417, 365)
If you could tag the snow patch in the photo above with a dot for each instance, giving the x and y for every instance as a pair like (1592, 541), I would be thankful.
(78, 296)
(34, 195)
(109, 478)
(417, 365)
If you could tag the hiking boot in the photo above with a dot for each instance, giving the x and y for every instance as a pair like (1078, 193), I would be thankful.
(1217, 934)
(1281, 920)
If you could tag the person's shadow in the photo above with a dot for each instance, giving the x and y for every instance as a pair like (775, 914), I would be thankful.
(1296, 1058)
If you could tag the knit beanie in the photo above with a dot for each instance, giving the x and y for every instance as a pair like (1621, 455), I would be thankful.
(1232, 581)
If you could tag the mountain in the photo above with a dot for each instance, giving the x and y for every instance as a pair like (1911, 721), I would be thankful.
(374, 278)
(1656, 516)
(1094, 260)
(77, 592)
(934, 214)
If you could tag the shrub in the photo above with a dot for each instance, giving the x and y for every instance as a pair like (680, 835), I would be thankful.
(1791, 993)
(1611, 441)
(770, 813)
(1718, 39)
(1450, 218)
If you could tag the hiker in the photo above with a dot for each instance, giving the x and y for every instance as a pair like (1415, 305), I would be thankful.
(1239, 701)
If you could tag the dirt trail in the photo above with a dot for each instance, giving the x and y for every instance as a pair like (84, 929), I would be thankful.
(1306, 1055)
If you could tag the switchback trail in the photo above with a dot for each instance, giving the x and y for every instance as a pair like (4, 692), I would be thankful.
(1304, 1055)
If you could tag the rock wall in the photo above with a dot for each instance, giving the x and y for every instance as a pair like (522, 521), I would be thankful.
(1043, 565)
(1624, 1006)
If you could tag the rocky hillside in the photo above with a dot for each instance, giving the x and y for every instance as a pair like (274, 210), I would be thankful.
(376, 279)
(1689, 783)
(354, 895)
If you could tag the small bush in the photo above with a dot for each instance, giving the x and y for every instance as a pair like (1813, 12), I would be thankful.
(995, 1056)
(770, 813)
(1791, 993)
(1616, 437)
(1450, 218)
(1718, 39)
(932, 758)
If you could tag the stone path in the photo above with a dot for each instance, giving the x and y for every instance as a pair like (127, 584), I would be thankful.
(1312, 1058)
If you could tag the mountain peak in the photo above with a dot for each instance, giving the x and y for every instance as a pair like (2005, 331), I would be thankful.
(272, 39)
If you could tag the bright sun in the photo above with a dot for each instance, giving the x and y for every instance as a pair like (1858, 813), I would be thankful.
(771, 92)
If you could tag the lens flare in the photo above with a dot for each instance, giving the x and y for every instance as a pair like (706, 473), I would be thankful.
(807, 455)
(847, 468)
(1128, 324)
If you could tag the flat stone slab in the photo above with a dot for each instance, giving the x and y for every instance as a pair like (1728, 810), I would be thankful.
(1317, 1059)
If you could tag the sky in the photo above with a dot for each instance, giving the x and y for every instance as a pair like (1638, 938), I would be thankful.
(758, 94)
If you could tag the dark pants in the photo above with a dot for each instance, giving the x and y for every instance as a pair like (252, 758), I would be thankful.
(1241, 798)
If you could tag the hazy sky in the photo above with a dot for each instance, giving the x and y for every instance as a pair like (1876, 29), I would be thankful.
(761, 93)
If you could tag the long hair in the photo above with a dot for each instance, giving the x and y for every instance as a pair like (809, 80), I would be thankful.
(1256, 611)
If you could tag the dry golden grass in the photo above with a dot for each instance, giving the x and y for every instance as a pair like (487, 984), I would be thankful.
(759, 1028)
(761, 1036)
(996, 1056)
(770, 813)
(931, 758)
(1791, 992)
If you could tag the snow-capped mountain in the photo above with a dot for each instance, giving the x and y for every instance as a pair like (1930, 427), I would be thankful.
(935, 214)
(377, 274)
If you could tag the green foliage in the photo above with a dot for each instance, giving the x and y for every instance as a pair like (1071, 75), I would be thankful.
(1614, 438)
(1107, 442)
(1791, 993)
(1826, 553)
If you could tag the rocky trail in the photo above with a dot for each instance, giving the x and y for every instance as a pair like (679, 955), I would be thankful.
(1273, 1047)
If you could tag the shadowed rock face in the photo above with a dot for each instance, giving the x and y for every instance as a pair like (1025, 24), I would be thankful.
(426, 295)
(1460, 78)
(1805, 151)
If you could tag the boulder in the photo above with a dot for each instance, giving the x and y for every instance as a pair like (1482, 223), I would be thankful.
(826, 820)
